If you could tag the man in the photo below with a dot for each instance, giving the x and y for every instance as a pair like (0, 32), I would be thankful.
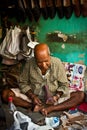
(45, 70)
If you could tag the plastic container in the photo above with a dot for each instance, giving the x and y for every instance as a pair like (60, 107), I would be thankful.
(52, 121)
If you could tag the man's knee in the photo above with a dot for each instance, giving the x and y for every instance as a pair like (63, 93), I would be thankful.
(78, 95)
(85, 96)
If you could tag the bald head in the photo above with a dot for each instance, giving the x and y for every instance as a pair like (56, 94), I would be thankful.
(42, 56)
(41, 48)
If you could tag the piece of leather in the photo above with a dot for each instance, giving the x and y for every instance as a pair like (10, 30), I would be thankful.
(36, 116)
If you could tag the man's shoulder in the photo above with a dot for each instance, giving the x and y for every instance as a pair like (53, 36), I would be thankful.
(55, 63)
(30, 61)
(55, 59)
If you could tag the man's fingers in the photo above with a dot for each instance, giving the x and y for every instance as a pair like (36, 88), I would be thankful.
(44, 112)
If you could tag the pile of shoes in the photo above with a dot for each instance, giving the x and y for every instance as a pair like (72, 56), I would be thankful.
(74, 121)
(33, 9)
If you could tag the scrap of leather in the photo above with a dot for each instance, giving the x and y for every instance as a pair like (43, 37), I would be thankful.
(48, 95)
(73, 121)
(72, 117)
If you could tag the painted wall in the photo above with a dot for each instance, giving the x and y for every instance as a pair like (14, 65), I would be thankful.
(74, 49)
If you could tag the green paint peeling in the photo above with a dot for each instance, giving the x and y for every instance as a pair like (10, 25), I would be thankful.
(68, 51)
(72, 50)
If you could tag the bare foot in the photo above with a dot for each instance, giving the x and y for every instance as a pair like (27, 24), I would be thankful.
(47, 110)
(38, 108)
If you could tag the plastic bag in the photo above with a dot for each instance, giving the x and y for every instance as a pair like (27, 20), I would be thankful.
(23, 122)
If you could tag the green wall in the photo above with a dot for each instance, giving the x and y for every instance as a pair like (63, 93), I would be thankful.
(74, 50)
(68, 51)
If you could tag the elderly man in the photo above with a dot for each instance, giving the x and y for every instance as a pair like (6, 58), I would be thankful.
(45, 70)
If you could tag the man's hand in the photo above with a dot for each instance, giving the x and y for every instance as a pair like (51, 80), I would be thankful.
(52, 100)
(36, 100)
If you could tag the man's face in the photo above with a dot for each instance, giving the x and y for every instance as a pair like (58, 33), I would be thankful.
(43, 61)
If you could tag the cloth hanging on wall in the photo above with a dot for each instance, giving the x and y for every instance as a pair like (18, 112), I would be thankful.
(17, 45)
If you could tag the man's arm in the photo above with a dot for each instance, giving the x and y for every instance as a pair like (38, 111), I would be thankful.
(59, 94)
(16, 100)
(33, 97)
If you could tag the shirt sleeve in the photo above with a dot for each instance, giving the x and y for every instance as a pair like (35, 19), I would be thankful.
(24, 84)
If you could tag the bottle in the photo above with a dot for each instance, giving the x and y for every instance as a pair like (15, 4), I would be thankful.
(12, 107)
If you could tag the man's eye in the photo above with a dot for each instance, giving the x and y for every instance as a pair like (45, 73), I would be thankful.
(39, 63)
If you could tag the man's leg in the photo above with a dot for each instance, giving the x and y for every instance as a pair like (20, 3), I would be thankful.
(75, 99)
(16, 100)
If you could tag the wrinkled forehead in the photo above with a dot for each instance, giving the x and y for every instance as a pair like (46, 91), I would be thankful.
(41, 52)
(42, 56)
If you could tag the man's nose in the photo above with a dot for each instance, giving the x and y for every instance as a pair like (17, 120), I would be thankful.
(44, 64)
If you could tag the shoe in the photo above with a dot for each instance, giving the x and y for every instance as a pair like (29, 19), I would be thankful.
(76, 7)
(67, 8)
(35, 9)
(59, 8)
(51, 8)
(43, 9)
(84, 8)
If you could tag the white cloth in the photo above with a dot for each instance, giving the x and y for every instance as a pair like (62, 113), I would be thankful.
(18, 93)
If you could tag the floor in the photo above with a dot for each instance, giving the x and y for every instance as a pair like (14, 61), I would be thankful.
(65, 124)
